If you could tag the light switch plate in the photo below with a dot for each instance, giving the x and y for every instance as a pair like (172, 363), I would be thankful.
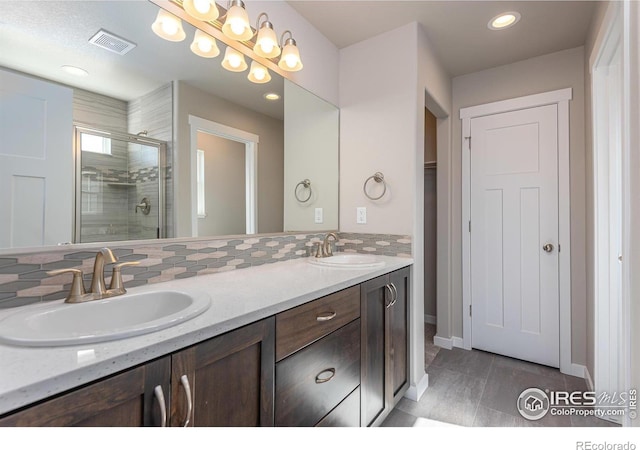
(361, 215)
(319, 216)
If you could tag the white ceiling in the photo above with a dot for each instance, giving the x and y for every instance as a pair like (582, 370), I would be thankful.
(38, 37)
(458, 29)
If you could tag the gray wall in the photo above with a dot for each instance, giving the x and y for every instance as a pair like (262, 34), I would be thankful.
(190, 100)
(544, 73)
(225, 186)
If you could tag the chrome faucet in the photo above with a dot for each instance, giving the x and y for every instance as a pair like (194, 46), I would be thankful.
(98, 285)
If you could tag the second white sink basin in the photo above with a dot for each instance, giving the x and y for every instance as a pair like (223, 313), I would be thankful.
(348, 261)
(100, 320)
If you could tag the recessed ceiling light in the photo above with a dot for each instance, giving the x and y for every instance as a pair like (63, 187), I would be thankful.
(504, 20)
(77, 71)
(272, 96)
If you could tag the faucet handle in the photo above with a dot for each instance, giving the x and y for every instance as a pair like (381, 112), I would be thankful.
(116, 285)
(77, 285)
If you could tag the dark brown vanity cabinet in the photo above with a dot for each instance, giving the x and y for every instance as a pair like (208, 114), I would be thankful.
(130, 399)
(385, 351)
(225, 381)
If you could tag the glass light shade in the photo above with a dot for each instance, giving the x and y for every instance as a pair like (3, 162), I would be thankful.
(204, 10)
(204, 45)
(258, 73)
(267, 42)
(236, 25)
(234, 60)
(290, 58)
(168, 27)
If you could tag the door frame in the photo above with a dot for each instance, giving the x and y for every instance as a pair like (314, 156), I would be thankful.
(250, 141)
(560, 98)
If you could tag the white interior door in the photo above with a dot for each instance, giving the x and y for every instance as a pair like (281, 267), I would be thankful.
(514, 234)
(36, 162)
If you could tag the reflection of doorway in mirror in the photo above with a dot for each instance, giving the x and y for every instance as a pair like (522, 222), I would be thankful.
(230, 187)
(221, 186)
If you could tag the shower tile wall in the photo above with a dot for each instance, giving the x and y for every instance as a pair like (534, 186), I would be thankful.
(153, 112)
(23, 278)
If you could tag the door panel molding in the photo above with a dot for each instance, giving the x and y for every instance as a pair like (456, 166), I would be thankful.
(560, 98)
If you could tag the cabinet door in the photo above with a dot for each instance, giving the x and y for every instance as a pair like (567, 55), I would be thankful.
(227, 380)
(124, 400)
(374, 300)
(398, 320)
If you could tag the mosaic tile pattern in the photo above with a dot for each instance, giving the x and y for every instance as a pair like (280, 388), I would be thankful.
(23, 278)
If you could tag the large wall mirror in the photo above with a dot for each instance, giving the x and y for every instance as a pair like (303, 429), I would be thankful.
(151, 140)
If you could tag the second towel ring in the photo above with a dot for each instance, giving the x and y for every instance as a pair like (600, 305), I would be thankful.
(378, 177)
(307, 185)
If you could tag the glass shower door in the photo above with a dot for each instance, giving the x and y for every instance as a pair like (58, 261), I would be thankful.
(119, 187)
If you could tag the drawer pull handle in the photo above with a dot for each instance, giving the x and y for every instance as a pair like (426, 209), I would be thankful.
(326, 316)
(387, 305)
(184, 380)
(157, 391)
(320, 379)
(395, 294)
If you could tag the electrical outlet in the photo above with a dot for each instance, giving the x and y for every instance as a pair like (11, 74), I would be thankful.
(361, 215)
(319, 216)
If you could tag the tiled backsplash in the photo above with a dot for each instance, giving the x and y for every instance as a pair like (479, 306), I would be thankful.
(23, 277)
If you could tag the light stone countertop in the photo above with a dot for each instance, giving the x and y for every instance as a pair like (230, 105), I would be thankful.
(238, 297)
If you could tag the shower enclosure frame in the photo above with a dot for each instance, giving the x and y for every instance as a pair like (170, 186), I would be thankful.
(79, 128)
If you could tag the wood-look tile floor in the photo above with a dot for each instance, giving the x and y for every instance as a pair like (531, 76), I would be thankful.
(480, 389)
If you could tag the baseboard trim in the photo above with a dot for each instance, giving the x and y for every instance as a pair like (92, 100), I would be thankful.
(457, 342)
(576, 370)
(414, 393)
(589, 380)
(443, 342)
(428, 318)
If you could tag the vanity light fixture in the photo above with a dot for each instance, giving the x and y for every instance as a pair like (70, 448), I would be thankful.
(258, 73)
(204, 45)
(266, 41)
(205, 10)
(504, 20)
(272, 96)
(290, 58)
(168, 27)
(77, 71)
(236, 24)
(234, 60)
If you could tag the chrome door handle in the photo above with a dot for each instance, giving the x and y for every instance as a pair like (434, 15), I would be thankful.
(187, 390)
(395, 294)
(157, 392)
(326, 316)
(331, 372)
(388, 287)
(547, 248)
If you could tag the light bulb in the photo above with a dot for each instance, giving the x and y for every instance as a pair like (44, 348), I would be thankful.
(170, 26)
(202, 6)
(267, 46)
(291, 61)
(237, 27)
(234, 61)
(205, 45)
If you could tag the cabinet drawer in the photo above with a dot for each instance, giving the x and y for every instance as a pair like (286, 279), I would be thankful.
(315, 380)
(346, 414)
(307, 323)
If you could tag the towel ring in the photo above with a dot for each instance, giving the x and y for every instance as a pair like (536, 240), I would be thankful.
(307, 185)
(378, 177)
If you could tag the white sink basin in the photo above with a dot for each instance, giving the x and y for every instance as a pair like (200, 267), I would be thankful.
(348, 261)
(100, 320)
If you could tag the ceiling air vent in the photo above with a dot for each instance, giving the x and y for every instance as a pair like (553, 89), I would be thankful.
(111, 42)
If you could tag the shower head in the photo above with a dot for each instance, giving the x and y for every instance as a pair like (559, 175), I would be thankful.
(142, 133)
